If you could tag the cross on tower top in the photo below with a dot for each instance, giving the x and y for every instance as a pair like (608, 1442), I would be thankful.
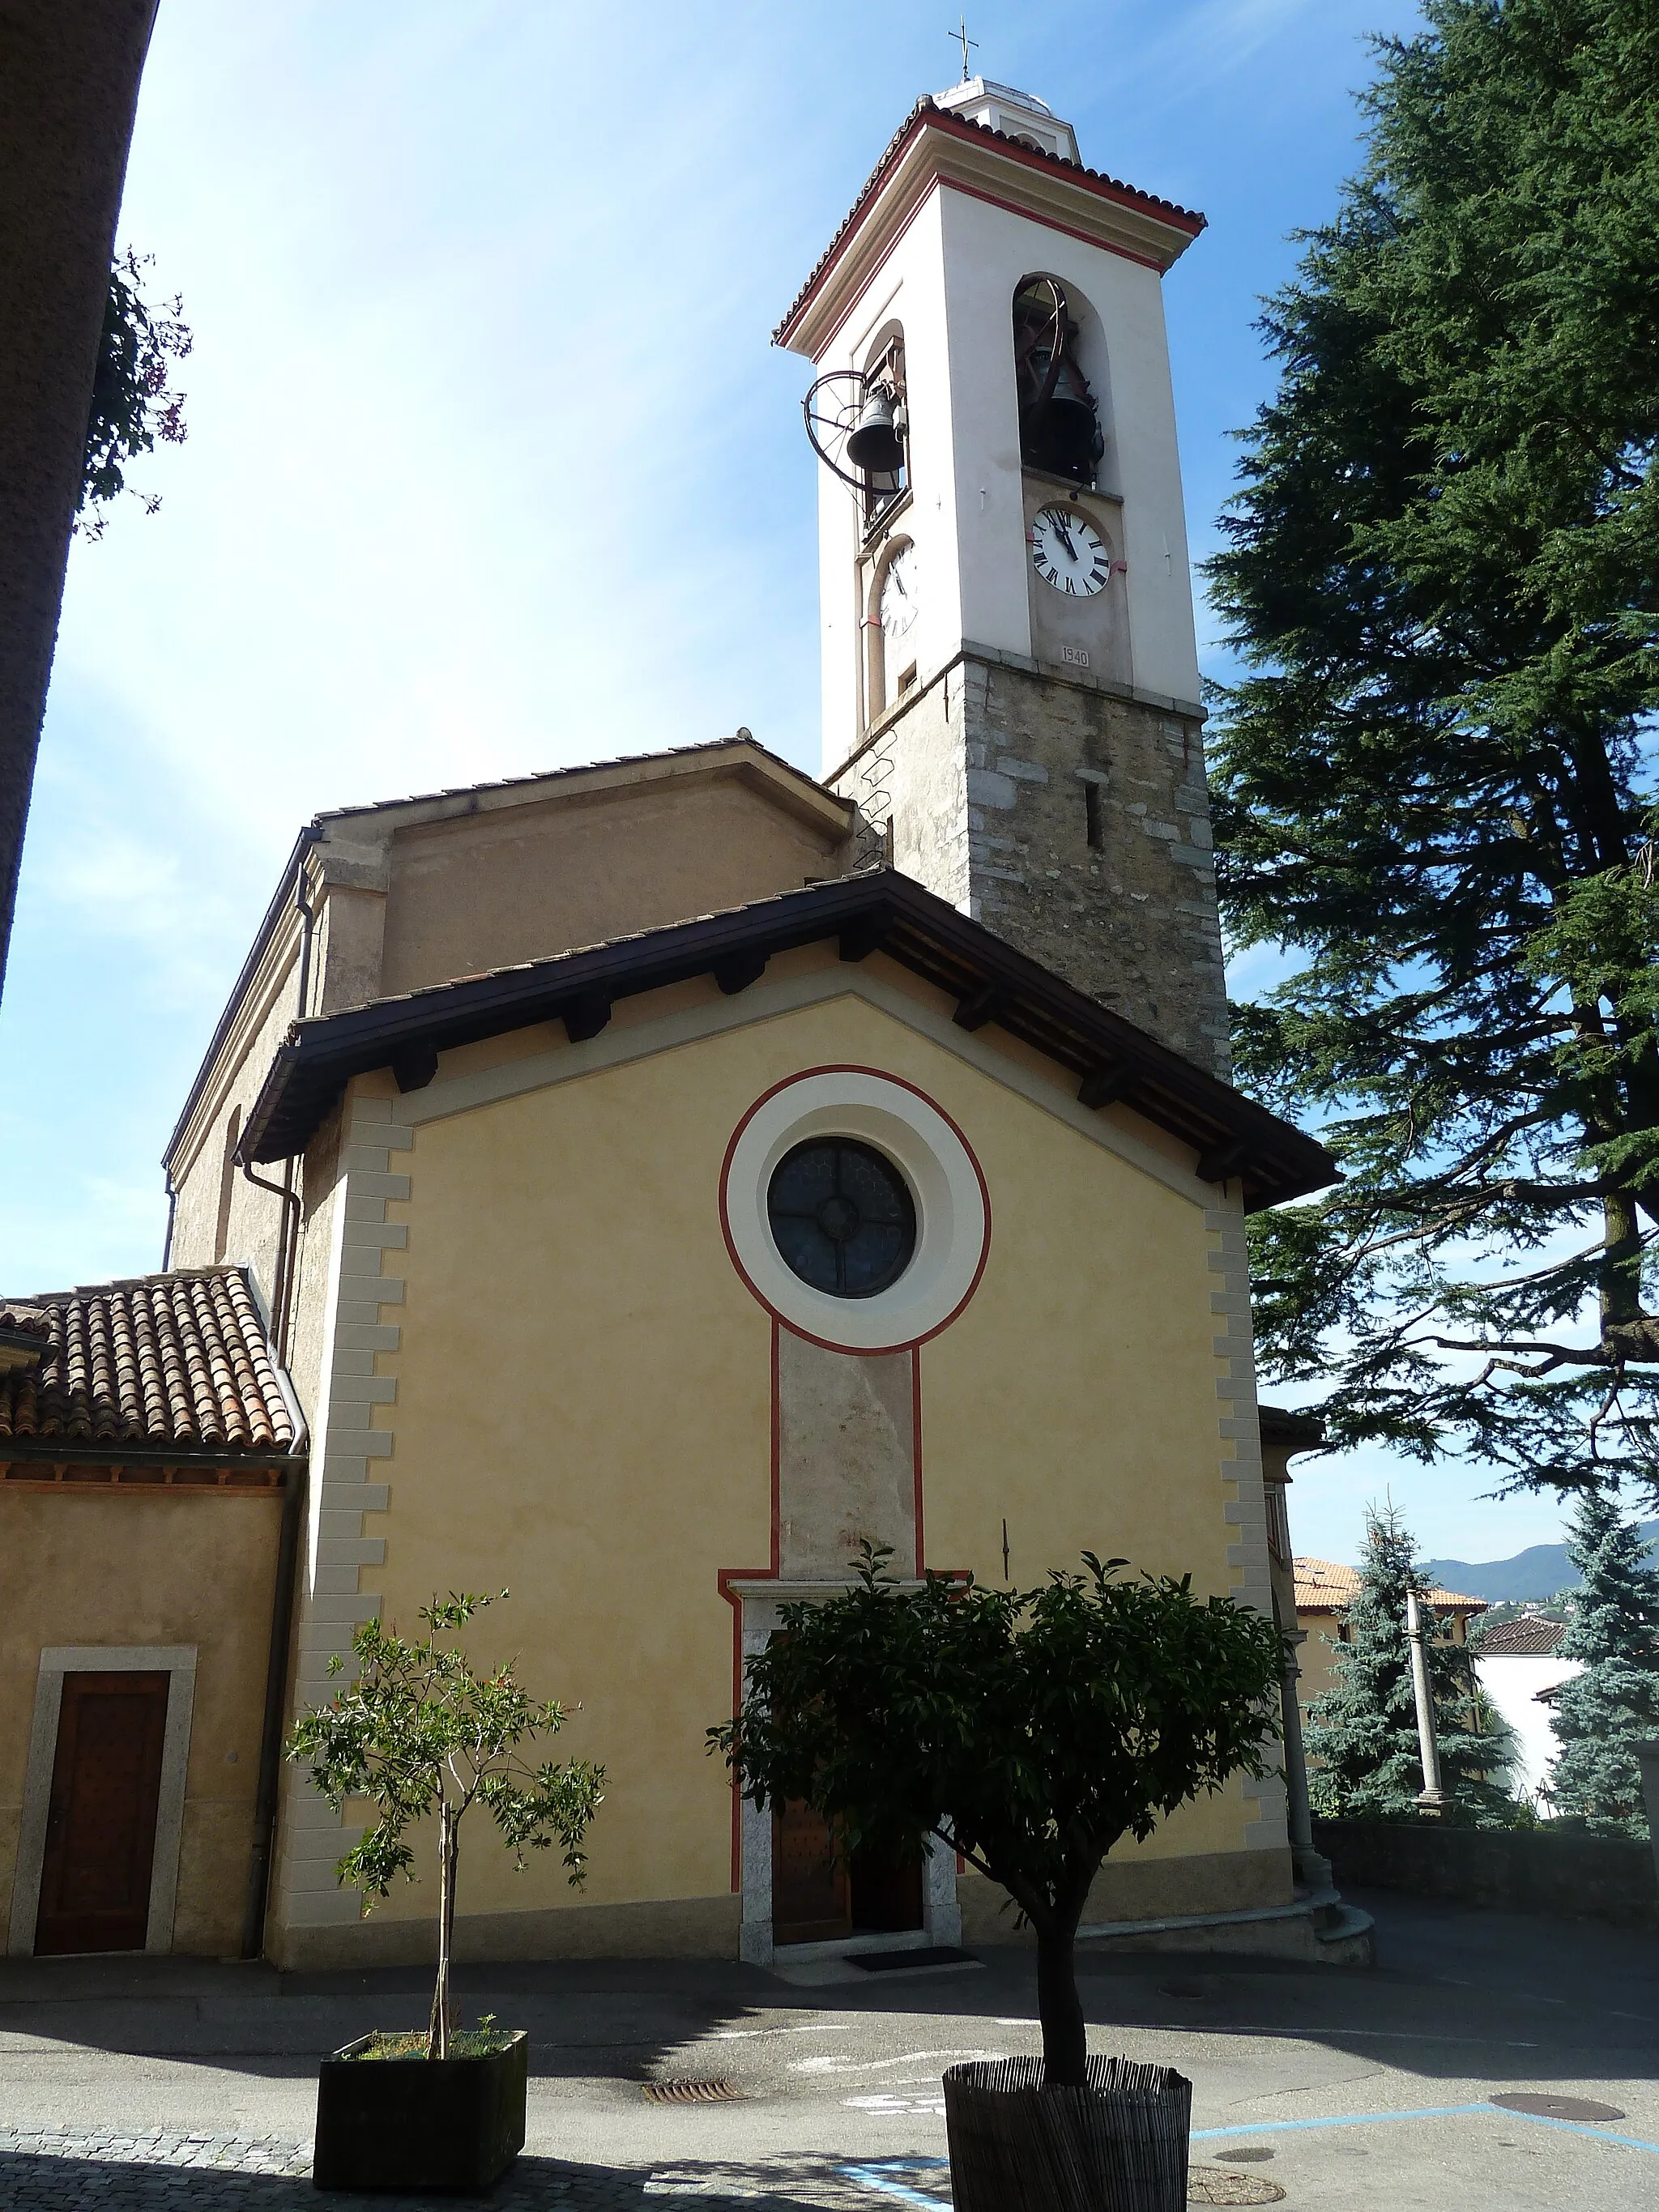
(960, 33)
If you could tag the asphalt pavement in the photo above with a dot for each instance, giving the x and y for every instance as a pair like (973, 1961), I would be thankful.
(137, 2081)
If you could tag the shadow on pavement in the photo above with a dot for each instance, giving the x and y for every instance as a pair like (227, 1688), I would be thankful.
(51, 2184)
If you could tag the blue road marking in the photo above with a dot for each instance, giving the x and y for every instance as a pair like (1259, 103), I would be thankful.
(1342, 2120)
(882, 2175)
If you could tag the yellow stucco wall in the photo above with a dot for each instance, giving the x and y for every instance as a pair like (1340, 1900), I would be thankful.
(81, 1565)
(582, 1410)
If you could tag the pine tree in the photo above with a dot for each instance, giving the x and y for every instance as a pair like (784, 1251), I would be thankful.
(1436, 782)
(1362, 1739)
(1601, 1714)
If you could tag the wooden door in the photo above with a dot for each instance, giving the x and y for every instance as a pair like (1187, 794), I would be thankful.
(811, 1898)
(101, 1829)
(886, 1893)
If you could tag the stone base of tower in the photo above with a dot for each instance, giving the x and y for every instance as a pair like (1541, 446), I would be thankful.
(1069, 815)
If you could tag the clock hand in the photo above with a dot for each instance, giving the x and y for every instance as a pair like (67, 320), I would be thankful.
(1066, 538)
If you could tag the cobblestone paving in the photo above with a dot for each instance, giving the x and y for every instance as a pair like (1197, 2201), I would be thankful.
(61, 2171)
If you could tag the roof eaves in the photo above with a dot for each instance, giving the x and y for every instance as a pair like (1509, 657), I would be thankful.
(877, 909)
(925, 115)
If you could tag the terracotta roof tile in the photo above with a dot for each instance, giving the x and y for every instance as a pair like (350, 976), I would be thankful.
(178, 1359)
(1525, 1637)
(926, 112)
(1326, 1586)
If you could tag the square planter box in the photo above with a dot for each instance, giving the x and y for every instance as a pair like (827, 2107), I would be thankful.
(419, 2123)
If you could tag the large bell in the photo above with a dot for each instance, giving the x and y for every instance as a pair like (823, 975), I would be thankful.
(1060, 433)
(876, 443)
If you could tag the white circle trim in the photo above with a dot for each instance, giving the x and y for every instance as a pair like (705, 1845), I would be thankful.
(952, 1217)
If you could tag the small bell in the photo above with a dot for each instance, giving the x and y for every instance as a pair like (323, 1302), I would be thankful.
(876, 442)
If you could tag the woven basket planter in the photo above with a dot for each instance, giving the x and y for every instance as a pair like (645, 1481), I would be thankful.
(1118, 2146)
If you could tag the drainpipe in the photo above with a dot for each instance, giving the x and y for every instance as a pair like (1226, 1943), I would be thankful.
(172, 1208)
(1432, 1797)
(271, 1735)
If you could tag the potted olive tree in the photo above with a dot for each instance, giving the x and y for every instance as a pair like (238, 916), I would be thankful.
(418, 1731)
(1027, 1730)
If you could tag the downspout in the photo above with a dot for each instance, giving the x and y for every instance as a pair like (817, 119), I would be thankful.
(172, 1208)
(271, 1735)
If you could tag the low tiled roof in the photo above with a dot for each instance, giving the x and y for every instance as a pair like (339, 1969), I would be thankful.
(1525, 1637)
(1327, 1586)
(177, 1360)
(927, 114)
(23, 1320)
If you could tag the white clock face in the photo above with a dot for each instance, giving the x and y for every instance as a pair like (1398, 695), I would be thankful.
(898, 593)
(1069, 553)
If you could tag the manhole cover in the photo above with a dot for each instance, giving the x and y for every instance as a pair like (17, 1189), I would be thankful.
(688, 2093)
(1557, 2108)
(1213, 2185)
(1253, 2156)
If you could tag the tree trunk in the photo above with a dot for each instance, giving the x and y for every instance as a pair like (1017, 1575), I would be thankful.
(438, 2033)
(1059, 2008)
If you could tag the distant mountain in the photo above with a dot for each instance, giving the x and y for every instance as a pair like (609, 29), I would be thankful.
(1539, 1571)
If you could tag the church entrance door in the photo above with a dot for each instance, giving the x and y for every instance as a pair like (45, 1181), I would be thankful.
(100, 1819)
(815, 1901)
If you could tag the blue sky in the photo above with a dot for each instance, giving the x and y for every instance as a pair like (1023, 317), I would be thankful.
(460, 277)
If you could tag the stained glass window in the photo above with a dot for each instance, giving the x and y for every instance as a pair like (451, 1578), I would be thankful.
(843, 1217)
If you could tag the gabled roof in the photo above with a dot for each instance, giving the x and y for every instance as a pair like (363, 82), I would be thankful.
(1326, 1586)
(878, 910)
(1180, 224)
(804, 794)
(179, 1361)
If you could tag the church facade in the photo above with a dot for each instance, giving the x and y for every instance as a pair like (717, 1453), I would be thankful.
(657, 1178)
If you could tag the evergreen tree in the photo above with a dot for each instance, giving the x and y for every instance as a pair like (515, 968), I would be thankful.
(1362, 1741)
(1600, 1714)
(1435, 782)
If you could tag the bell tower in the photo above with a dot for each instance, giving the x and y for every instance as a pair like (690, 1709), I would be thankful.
(1011, 687)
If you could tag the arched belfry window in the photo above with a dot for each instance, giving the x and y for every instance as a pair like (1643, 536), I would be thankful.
(879, 443)
(1059, 429)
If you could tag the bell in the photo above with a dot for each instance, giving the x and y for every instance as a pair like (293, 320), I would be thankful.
(1061, 433)
(876, 443)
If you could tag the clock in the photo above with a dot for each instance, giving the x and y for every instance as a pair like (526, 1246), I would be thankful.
(1069, 552)
(898, 593)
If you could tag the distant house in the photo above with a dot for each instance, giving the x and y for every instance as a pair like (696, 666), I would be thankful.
(1325, 1590)
(1520, 1669)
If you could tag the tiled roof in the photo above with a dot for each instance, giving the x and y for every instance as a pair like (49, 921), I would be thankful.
(177, 1360)
(1280, 1425)
(24, 1321)
(1326, 1586)
(926, 113)
(1527, 1636)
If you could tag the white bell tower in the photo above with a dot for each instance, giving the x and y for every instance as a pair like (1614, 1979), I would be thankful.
(1011, 685)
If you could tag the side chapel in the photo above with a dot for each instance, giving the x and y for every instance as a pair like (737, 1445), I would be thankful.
(638, 1184)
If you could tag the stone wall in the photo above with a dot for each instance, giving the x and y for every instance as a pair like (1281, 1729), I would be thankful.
(1072, 819)
(1571, 1875)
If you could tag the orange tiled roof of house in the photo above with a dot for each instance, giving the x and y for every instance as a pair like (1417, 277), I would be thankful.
(1527, 1638)
(179, 1359)
(1327, 1586)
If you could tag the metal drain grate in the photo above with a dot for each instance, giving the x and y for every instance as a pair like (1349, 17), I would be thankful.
(688, 2093)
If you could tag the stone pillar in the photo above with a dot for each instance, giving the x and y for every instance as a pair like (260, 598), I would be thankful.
(1432, 1797)
(1311, 1869)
